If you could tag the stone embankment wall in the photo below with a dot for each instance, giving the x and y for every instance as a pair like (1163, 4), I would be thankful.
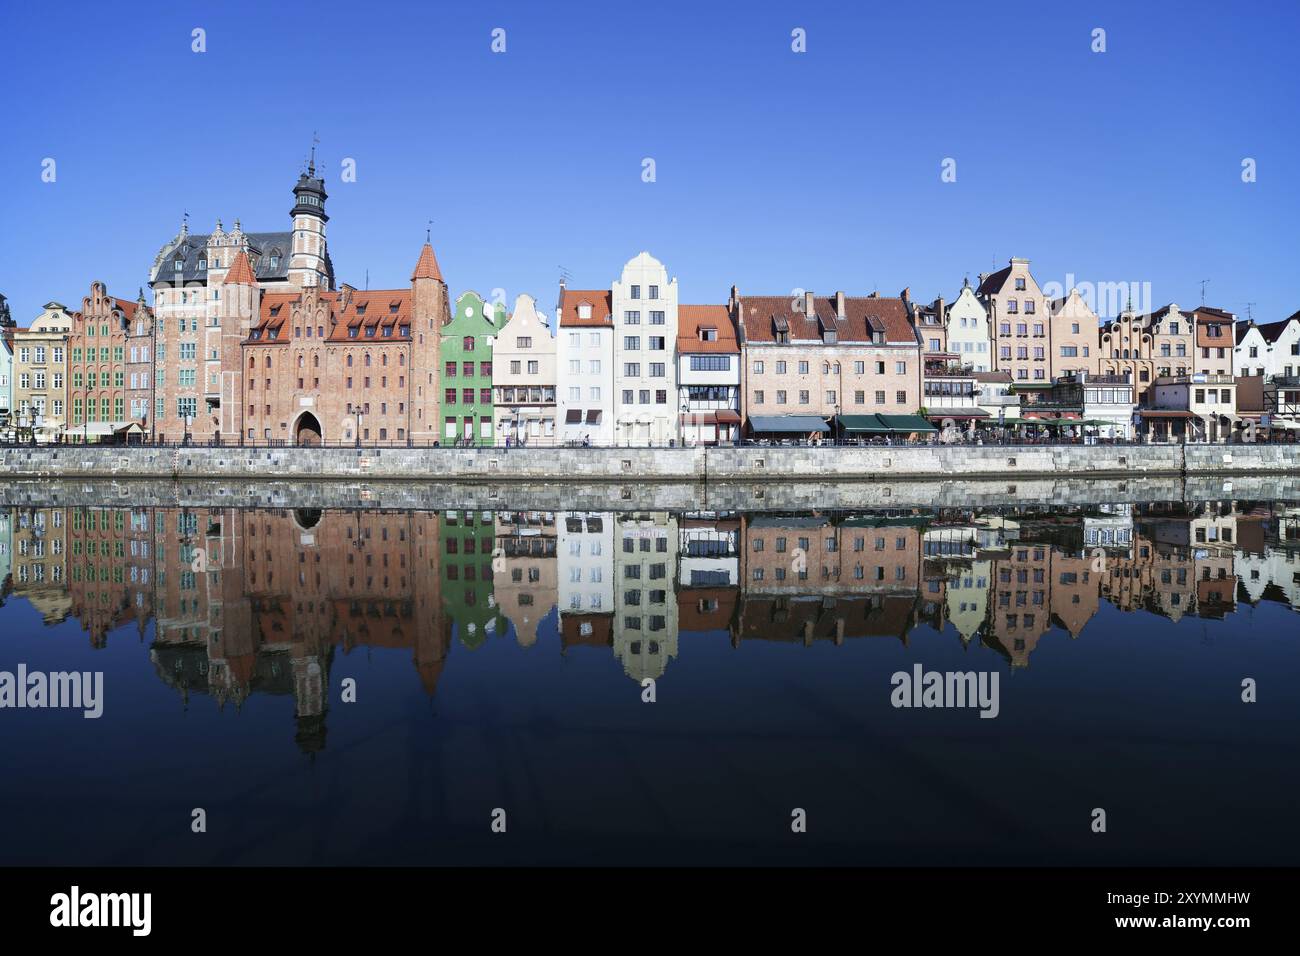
(747, 464)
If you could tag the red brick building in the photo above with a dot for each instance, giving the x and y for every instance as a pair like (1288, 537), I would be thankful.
(96, 371)
(317, 365)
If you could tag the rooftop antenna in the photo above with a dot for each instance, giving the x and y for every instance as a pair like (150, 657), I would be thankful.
(1204, 283)
(428, 232)
(367, 280)
(311, 163)
(565, 275)
(1250, 311)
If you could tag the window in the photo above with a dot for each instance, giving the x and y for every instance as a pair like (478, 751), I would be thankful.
(524, 342)
(636, 292)
(712, 363)
(467, 344)
(631, 318)
(758, 368)
(656, 318)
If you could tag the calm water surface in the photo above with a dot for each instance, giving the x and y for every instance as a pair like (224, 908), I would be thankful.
(499, 660)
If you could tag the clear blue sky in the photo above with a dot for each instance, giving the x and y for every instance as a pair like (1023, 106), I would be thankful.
(774, 170)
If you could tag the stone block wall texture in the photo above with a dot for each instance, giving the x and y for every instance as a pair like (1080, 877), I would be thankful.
(632, 465)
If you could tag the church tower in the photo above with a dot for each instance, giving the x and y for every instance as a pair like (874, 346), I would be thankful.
(308, 261)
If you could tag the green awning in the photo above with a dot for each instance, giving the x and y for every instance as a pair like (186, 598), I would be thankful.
(863, 423)
(885, 424)
(906, 423)
(787, 423)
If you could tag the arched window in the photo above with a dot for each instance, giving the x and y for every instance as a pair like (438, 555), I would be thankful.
(367, 360)
(300, 361)
(385, 359)
(315, 361)
(401, 359)
(268, 361)
(349, 361)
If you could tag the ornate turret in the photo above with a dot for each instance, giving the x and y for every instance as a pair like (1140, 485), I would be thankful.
(309, 195)
(309, 265)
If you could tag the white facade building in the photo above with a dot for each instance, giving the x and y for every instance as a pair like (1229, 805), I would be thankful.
(708, 375)
(645, 342)
(1268, 350)
(584, 367)
(968, 331)
(523, 377)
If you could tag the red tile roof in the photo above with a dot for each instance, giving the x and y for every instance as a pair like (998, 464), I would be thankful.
(241, 273)
(862, 315)
(692, 318)
(427, 267)
(600, 300)
(375, 310)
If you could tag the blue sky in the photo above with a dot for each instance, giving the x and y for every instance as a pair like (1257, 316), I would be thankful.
(775, 170)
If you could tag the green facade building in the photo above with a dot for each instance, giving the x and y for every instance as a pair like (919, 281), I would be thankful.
(465, 406)
(468, 600)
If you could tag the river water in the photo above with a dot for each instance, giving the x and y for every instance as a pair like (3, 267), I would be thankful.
(307, 685)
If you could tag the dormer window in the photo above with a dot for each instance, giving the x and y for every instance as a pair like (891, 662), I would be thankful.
(203, 264)
(361, 309)
(178, 265)
(275, 261)
(708, 334)
(584, 311)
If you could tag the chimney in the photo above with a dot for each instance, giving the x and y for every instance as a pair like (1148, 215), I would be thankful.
(905, 295)
(939, 306)
(809, 305)
(983, 276)
(839, 306)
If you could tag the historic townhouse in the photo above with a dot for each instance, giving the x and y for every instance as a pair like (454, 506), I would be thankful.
(7, 326)
(467, 408)
(1147, 347)
(585, 366)
(523, 577)
(708, 375)
(1270, 350)
(97, 359)
(193, 330)
(645, 593)
(1073, 335)
(40, 561)
(644, 309)
(140, 364)
(1035, 342)
(1215, 341)
(967, 327)
(314, 365)
(808, 360)
(40, 354)
(523, 377)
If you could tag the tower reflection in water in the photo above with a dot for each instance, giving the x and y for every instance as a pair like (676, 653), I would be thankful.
(248, 602)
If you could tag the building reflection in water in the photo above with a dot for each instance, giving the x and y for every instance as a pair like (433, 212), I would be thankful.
(260, 601)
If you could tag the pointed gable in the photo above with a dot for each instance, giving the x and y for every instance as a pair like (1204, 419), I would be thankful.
(427, 267)
(241, 273)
